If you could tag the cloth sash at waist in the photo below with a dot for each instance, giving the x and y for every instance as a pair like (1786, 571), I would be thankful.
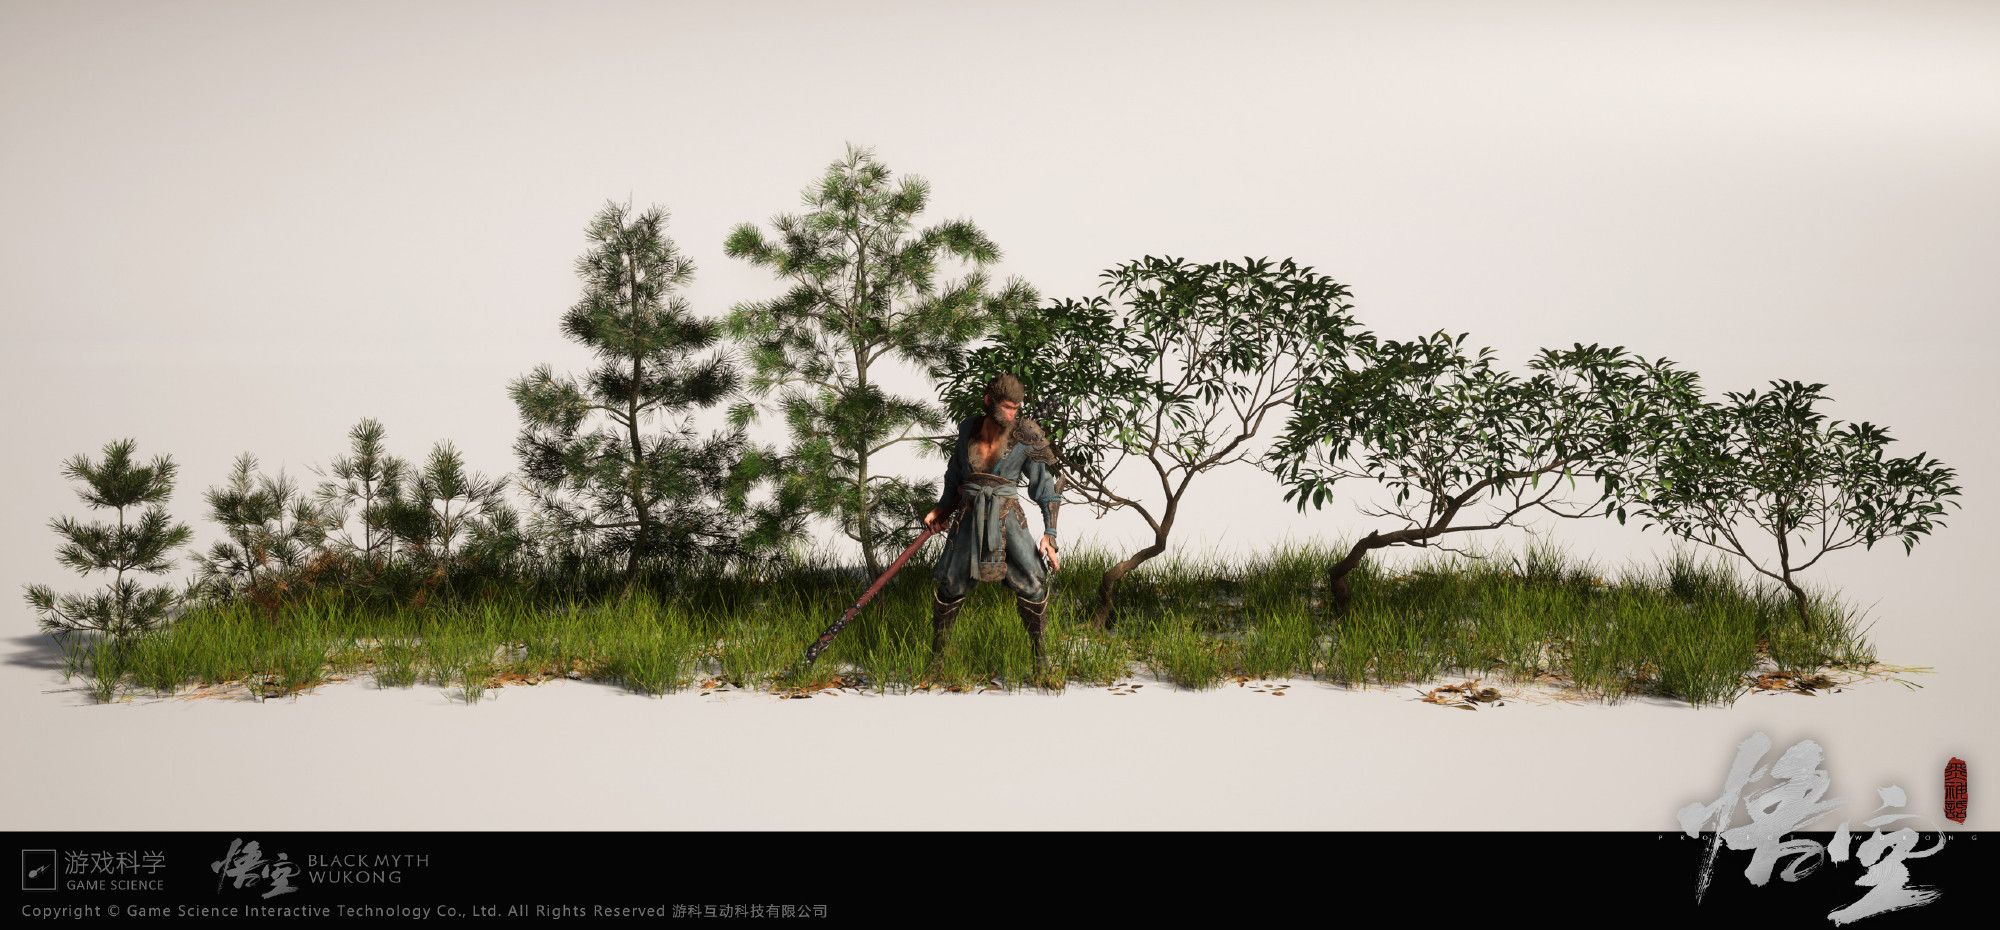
(986, 498)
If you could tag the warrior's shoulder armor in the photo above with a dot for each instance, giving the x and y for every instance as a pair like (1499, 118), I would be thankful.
(1029, 433)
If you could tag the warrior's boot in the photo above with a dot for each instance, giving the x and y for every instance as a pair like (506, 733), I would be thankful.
(1032, 614)
(943, 614)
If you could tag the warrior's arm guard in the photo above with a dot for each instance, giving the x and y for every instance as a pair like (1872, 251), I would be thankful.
(1049, 508)
(1045, 482)
(1046, 489)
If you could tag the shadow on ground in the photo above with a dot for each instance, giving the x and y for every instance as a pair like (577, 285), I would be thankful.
(38, 651)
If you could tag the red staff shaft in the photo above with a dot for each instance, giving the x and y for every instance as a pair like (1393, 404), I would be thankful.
(826, 638)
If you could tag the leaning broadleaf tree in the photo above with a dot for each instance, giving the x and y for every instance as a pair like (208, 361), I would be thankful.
(863, 295)
(1173, 371)
(1467, 446)
(597, 467)
(139, 543)
(1768, 478)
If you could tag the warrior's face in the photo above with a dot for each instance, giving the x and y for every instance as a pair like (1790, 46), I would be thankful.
(1003, 412)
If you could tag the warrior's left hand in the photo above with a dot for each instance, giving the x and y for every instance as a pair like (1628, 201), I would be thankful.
(1049, 550)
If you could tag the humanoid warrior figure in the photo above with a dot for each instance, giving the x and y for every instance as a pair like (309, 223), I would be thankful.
(991, 542)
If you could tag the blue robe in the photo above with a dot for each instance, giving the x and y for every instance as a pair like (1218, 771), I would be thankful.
(991, 541)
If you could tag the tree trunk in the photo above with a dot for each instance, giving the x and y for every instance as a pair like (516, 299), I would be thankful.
(634, 486)
(1799, 603)
(865, 531)
(1106, 613)
(862, 535)
(857, 310)
(1103, 617)
(1339, 594)
(118, 583)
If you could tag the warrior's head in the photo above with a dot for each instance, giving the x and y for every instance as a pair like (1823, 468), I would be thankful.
(1003, 399)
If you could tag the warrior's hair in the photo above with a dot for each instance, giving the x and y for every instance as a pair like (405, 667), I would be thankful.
(1004, 387)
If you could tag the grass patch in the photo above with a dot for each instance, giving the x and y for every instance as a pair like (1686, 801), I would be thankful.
(1682, 628)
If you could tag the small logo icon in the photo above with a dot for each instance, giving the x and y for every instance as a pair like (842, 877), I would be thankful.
(38, 870)
(1954, 790)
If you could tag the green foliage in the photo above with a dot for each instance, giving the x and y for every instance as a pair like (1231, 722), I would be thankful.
(673, 497)
(1177, 364)
(1182, 373)
(419, 514)
(443, 501)
(125, 608)
(1804, 484)
(497, 545)
(271, 528)
(367, 481)
(863, 291)
(1445, 430)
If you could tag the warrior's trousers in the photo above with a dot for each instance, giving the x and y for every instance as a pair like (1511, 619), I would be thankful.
(1025, 573)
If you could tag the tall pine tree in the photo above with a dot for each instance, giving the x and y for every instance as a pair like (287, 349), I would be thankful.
(670, 498)
(863, 293)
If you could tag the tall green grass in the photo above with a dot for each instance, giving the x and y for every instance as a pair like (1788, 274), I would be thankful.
(1683, 628)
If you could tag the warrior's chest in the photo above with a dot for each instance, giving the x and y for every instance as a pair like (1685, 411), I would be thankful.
(984, 455)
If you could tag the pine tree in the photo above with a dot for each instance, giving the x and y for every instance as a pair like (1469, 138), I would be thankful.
(863, 293)
(496, 544)
(262, 544)
(126, 607)
(367, 480)
(671, 497)
(444, 502)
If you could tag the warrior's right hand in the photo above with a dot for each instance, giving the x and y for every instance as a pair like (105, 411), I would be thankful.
(933, 520)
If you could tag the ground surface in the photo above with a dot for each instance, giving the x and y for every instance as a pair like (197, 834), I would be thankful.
(567, 755)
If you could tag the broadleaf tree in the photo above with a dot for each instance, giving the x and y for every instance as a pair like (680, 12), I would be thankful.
(1467, 446)
(1174, 369)
(863, 294)
(1768, 478)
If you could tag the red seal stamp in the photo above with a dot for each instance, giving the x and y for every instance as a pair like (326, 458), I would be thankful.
(1954, 789)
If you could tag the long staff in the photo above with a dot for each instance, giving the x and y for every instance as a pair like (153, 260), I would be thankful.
(826, 639)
